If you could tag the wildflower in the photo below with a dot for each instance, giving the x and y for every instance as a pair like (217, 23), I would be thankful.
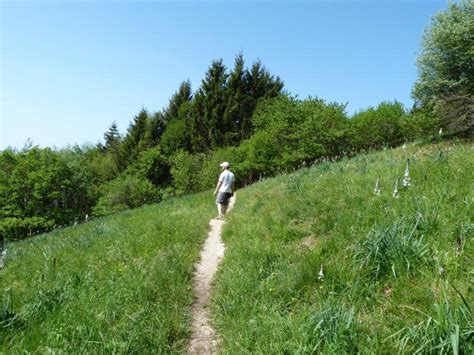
(440, 131)
(395, 190)
(441, 271)
(321, 274)
(87, 217)
(377, 187)
(404, 146)
(406, 178)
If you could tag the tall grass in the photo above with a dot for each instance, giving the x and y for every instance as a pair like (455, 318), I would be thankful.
(120, 284)
(384, 259)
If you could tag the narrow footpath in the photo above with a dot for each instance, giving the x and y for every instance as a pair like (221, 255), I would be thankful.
(204, 338)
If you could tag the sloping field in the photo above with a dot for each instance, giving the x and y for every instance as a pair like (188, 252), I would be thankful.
(118, 284)
(317, 262)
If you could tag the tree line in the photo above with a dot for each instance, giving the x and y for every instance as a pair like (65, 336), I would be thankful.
(242, 115)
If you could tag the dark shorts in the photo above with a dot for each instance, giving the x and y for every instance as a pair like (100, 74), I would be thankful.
(223, 198)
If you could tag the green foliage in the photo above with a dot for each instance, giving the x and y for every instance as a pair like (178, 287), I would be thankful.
(290, 132)
(16, 228)
(185, 169)
(125, 192)
(136, 140)
(181, 97)
(40, 188)
(209, 108)
(177, 135)
(120, 284)
(152, 165)
(378, 127)
(445, 85)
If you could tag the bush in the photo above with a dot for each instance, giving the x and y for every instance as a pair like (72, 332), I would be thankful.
(185, 169)
(16, 228)
(126, 192)
(374, 128)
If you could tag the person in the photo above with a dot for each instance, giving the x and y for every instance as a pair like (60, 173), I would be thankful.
(225, 189)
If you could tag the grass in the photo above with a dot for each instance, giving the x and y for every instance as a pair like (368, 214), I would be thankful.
(315, 263)
(120, 284)
(398, 272)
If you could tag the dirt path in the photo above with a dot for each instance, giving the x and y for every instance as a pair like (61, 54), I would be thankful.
(204, 338)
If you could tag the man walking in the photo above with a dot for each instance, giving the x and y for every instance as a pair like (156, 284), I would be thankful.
(225, 189)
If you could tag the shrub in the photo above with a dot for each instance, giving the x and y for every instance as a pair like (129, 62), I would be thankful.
(15, 228)
(185, 169)
(126, 192)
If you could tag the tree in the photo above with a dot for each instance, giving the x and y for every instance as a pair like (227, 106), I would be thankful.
(112, 138)
(136, 139)
(236, 98)
(445, 86)
(260, 84)
(180, 97)
(209, 107)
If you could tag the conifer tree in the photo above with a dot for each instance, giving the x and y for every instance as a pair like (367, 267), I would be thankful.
(236, 99)
(136, 139)
(112, 138)
(156, 127)
(183, 95)
(260, 84)
(209, 108)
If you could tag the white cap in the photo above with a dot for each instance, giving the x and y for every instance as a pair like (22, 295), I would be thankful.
(224, 165)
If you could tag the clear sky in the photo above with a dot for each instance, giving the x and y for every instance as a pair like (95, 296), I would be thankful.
(71, 68)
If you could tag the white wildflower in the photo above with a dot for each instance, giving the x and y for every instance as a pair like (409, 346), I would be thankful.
(321, 274)
(406, 178)
(87, 217)
(377, 187)
(404, 146)
(395, 190)
(440, 131)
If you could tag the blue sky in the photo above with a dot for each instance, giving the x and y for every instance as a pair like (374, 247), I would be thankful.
(71, 68)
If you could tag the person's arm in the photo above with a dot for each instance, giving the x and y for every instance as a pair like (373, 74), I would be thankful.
(219, 183)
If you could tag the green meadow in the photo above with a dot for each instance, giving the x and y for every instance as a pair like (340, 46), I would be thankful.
(316, 262)
(120, 284)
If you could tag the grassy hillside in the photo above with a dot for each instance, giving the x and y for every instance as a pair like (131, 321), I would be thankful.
(398, 273)
(118, 284)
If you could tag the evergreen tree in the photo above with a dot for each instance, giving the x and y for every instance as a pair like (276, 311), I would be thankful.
(183, 95)
(209, 109)
(156, 127)
(236, 98)
(260, 84)
(136, 139)
(112, 138)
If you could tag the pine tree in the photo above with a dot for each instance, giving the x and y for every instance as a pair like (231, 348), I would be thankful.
(183, 95)
(136, 139)
(260, 84)
(156, 127)
(209, 107)
(236, 98)
(112, 138)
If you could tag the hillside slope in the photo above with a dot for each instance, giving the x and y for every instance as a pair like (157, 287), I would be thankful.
(317, 262)
(120, 284)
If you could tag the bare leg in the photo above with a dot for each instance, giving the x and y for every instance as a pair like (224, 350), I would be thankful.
(224, 209)
(219, 210)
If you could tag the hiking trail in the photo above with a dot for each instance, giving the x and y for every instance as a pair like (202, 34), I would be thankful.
(204, 338)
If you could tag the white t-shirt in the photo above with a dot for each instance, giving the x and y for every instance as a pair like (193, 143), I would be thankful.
(227, 179)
